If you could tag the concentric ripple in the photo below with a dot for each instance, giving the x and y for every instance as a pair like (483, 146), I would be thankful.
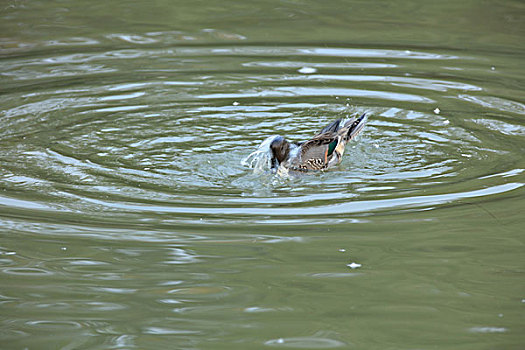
(129, 220)
(107, 135)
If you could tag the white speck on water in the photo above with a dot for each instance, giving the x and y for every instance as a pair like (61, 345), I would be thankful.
(354, 265)
(235, 103)
(342, 250)
(376, 145)
(10, 253)
(446, 122)
(280, 341)
(437, 110)
(337, 97)
(63, 248)
(523, 300)
(466, 155)
(307, 70)
(500, 315)
(492, 68)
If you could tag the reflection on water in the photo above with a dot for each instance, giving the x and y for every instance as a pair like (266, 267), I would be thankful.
(129, 221)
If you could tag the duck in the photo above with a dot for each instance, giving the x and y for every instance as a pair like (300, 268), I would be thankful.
(325, 150)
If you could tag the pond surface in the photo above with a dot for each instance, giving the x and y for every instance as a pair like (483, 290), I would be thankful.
(127, 220)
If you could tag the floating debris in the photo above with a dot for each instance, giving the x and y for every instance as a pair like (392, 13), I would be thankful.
(437, 110)
(235, 103)
(354, 265)
(488, 329)
(307, 70)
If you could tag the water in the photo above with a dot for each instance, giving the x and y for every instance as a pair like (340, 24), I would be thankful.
(128, 221)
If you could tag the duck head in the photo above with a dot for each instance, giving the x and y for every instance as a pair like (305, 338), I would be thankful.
(280, 149)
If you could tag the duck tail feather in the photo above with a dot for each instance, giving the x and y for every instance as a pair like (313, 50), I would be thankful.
(356, 127)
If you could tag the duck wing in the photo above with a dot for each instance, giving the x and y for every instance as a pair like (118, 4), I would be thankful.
(317, 152)
(327, 147)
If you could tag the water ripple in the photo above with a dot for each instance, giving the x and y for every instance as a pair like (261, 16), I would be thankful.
(320, 91)
(171, 144)
(305, 343)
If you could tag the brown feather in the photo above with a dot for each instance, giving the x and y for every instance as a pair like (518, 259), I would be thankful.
(319, 152)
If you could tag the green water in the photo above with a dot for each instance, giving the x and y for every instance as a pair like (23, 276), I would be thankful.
(127, 220)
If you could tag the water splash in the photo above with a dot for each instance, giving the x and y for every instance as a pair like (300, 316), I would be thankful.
(260, 159)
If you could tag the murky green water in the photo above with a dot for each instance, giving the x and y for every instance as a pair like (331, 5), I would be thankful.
(128, 222)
